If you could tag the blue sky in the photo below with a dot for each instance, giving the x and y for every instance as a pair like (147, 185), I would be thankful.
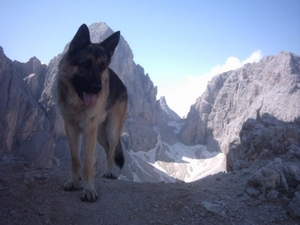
(180, 44)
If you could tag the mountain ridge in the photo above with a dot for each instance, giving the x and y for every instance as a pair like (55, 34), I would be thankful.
(151, 133)
(239, 148)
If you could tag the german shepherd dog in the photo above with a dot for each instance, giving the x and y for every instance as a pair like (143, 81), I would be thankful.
(93, 103)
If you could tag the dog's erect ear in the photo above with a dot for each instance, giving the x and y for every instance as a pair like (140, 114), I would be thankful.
(111, 43)
(81, 39)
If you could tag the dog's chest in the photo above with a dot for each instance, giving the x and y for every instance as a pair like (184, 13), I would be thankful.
(90, 117)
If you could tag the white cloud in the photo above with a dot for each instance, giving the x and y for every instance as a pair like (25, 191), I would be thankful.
(180, 96)
(254, 57)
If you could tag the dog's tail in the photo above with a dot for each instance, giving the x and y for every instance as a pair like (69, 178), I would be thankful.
(119, 157)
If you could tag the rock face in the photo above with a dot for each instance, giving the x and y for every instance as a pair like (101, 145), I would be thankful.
(166, 112)
(266, 138)
(271, 86)
(23, 122)
(252, 115)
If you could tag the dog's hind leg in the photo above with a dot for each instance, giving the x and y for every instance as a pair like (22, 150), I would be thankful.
(113, 158)
(109, 138)
(119, 157)
(74, 138)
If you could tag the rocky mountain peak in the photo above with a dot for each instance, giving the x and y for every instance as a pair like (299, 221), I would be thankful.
(163, 107)
(1, 50)
(99, 31)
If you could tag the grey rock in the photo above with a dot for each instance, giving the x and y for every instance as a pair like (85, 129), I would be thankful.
(253, 107)
(240, 164)
(17, 166)
(252, 115)
(25, 127)
(294, 206)
(291, 173)
(166, 112)
(252, 192)
(272, 195)
(265, 178)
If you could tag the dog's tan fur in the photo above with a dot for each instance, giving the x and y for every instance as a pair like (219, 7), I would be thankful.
(102, 121)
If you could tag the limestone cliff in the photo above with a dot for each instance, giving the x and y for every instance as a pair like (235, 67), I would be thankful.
(25, 129)
(269, 87)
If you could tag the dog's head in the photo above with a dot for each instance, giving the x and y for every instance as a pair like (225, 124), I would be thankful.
(90, 63)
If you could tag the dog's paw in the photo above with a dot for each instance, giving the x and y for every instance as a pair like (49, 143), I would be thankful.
(89, 195)
(110, 175)
(72, 186)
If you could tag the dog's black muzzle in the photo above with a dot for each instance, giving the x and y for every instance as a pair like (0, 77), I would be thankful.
(84, 85)
(94, 88)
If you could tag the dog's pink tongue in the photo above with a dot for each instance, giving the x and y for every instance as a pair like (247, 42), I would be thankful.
(89, 99)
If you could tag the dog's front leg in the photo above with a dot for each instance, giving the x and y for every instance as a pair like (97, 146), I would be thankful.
(74, 138)
(89, 192)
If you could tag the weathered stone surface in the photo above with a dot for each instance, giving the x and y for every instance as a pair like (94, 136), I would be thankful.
(25, 130)
(275, 177)
(266, 178)
(252, 112)
(165, 111)
(266, 138)
(294, 206)
(271, 86)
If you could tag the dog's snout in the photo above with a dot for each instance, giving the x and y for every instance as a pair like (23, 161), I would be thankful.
(96, 88)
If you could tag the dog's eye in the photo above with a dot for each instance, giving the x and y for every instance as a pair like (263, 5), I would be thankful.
(86, 64)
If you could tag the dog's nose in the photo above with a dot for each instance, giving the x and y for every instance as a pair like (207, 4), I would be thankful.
(95, 88)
